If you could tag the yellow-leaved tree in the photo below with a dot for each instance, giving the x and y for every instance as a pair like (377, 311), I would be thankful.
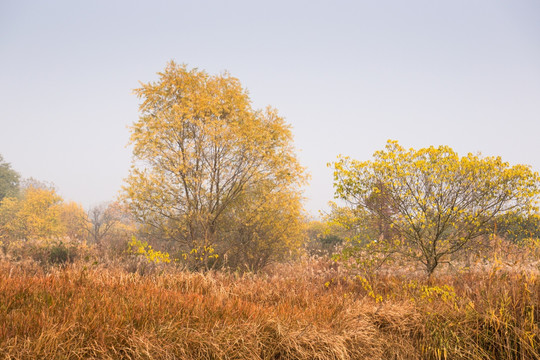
(40, 213)
(36, 214)
(264, 226)
(430, 203)
(73, 219)
(199, 150)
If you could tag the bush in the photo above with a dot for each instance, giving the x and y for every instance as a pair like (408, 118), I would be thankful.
(59, 253)
(47, 252)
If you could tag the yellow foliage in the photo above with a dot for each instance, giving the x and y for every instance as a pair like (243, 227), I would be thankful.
(40, 213)
(35, 215)
(138, 247)
(430, 203)
(74, 220)
(266, 226)
(200, 150)
(367, 286)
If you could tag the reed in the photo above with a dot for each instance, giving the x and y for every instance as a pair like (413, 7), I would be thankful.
(307, 310)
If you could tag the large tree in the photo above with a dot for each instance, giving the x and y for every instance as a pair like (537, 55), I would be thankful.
(199, 149)
(431, 203)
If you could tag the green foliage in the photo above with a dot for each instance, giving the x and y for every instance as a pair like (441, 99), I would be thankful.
(330, 241)
(9, 180)
(46, 252)
(518, 228)
(59, 253)
(323, 238)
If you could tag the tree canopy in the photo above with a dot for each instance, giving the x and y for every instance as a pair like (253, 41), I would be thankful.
(430, 202)
(36, 214)
(199, 150)
(9, 180)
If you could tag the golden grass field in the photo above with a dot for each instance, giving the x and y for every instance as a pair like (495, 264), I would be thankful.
(306, 310)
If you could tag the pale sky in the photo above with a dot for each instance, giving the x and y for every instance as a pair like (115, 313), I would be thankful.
(347, 75)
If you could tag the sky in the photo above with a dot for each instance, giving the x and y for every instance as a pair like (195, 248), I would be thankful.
(346, 75)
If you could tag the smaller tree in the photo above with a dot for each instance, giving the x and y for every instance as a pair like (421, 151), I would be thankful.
(35, 215)
(110, 227)
(74, 220)
(431, 203)
(9, 180)
(339, 224)
(264, 226)
(517, 228)
(101, 221)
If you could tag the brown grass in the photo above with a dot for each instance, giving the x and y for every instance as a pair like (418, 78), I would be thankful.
(308, 310)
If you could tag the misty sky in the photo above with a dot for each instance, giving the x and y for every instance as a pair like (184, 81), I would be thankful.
(347, 75)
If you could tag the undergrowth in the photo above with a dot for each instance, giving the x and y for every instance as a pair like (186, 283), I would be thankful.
(309, 310)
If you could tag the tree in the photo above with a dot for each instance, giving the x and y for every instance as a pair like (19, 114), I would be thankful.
(109, 226)
(74, 220)
(265, 226)
(101, 220)
(9, 180)
(430, 202)
(200, 148)
(516, 227)
(35, 215)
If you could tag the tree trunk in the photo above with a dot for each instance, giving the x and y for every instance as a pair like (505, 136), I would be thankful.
(431, 266)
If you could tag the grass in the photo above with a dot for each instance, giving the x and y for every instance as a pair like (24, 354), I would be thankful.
(308, 310)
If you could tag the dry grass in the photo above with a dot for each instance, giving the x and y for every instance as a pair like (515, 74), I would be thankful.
(308, 310)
